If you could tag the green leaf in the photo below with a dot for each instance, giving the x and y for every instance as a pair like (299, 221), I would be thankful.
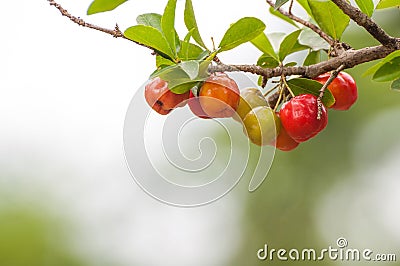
(244, 30)
(184, 76)
(168, 26)
(387, 4)
(290, 64)
(191, 51)
(191, 68)
(150, 37)
(264, 45)
(184, 86)
(309, 86)
(150, 19)
(311, 39)
(203, 68)
(190, 22)
(203, 55)
(154, 20)
(98, 6)
(373, 69)
(267, 61)
(299, 47)
(164, 72)
(280, 3)
(329, 17)
(163, 62)
(312, 58)
(305, 5)
(366, 6)
(181, 77)
(184, 52)
(276, 38)
(175, 77)
(395, 85)
(279, 15)
(389, 71)
(288, 44)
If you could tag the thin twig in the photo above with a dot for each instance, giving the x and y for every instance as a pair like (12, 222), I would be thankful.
(313, 27)
(213, 43)
(333, 75)
(116, 32)
(290, 7)
(366, 22)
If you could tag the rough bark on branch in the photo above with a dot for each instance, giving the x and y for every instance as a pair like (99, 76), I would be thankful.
(349, 59)
(366, 22)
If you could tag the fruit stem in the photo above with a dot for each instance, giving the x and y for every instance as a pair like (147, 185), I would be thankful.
(333, 75)
(279, 98)
(213, 43)
(283, 79)
(270, 90)
(264, 82)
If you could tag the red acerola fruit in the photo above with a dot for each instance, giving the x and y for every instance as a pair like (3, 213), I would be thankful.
(219, 96)
(343, 88)
(161, 98)
(283, 141)
(195, 107)
(299, 117)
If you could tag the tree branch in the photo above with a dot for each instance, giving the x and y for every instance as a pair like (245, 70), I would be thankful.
(349, 59)
(364, 21)
(313, 27)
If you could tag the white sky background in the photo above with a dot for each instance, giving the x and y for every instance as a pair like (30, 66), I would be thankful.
(64, 91)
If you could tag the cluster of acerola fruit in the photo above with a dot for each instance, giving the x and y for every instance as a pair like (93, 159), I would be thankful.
(299, 118)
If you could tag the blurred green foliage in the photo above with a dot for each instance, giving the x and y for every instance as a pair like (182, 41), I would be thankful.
(29, 236)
